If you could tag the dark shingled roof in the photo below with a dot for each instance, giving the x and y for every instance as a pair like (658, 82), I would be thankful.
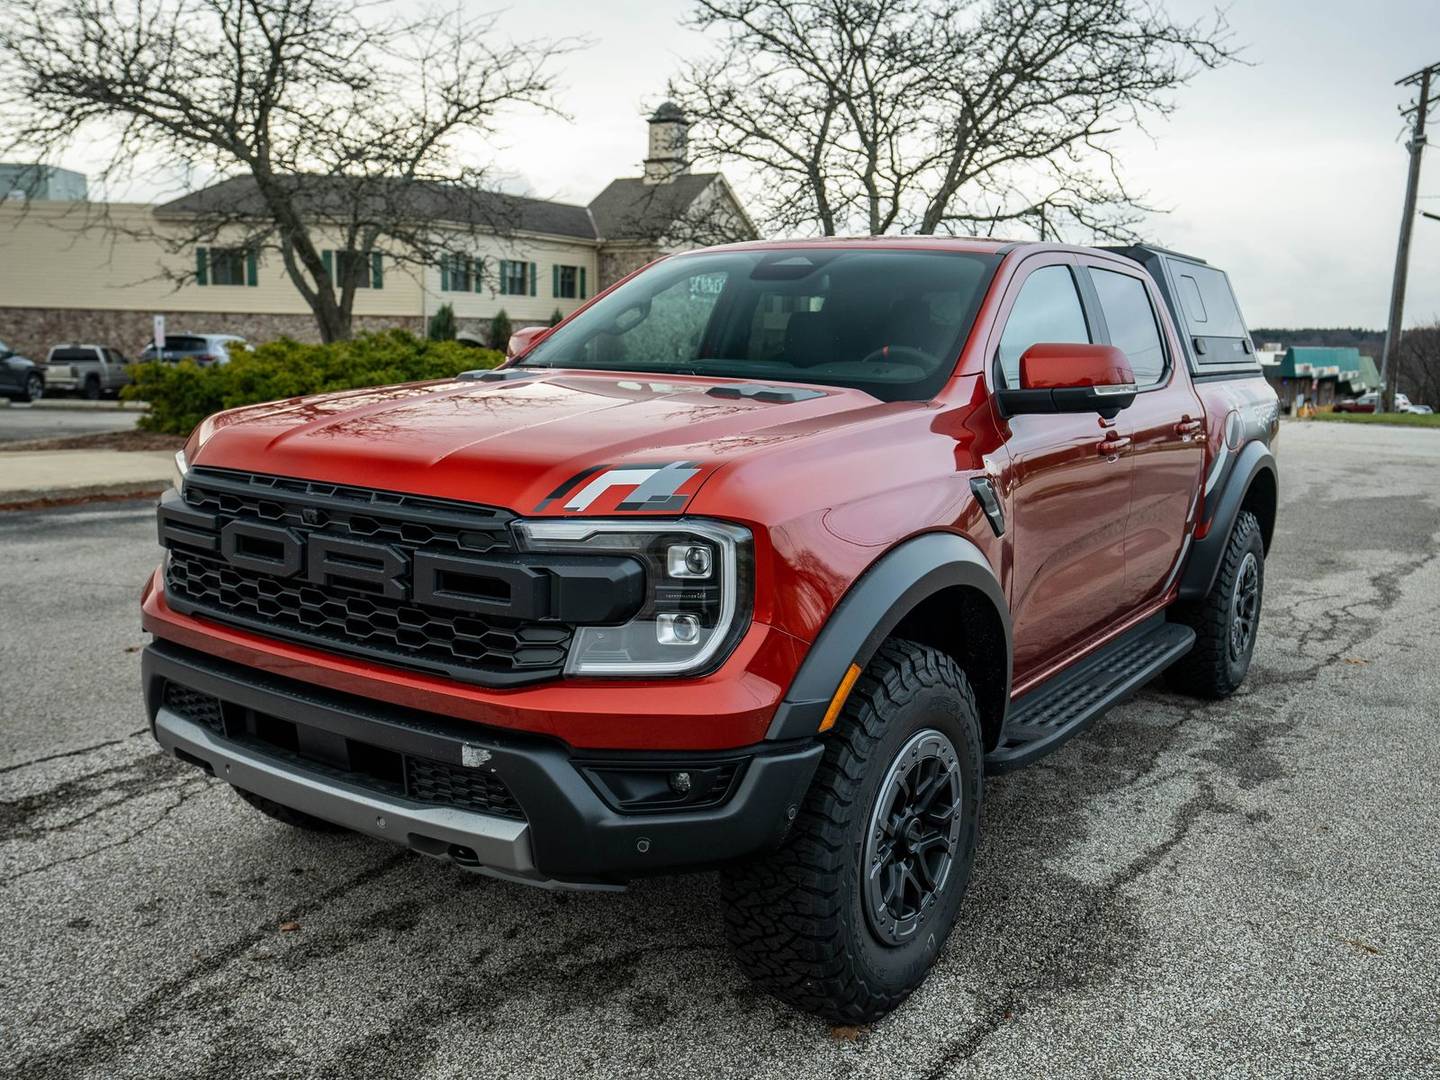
(631, 209)
(421, 199)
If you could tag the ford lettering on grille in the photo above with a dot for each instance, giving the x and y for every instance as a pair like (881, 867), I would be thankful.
(416, 582)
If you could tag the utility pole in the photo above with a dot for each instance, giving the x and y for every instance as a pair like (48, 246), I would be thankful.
(1390, 358)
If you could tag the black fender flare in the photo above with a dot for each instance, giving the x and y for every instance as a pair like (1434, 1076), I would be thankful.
(893, 586)
(1204, 559)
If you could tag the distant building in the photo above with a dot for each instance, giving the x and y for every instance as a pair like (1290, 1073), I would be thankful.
(41, 182)
(1322, 375)
(67, 278)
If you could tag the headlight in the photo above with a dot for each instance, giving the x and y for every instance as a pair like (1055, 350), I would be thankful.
(181, 468)
(699, 583)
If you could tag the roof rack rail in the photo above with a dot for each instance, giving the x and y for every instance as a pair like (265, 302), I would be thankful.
(1152, 249)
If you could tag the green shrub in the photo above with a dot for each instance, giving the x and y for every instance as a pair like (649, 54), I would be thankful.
(181, 395)
(555, 317)
(500, 330)
(442, 324)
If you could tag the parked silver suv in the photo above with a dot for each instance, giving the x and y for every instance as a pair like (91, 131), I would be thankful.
(203, 349)
(90, 370)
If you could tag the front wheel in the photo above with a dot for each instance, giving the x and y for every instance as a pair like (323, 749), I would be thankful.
(847, 919)
(1226, 621)
(34, 388)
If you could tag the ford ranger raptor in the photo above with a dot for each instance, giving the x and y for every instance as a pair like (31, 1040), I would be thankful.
(761, 561)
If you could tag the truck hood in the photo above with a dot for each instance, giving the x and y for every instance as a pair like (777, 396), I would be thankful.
(553, 443)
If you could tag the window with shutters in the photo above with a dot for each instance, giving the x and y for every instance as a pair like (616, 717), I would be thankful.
(363, 266)
(517, 278)
(460, 273)
(225, 266)
(569, 282)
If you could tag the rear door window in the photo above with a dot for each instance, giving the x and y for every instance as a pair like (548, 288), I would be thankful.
(73, 356)
(1047, 310)
(184, 343)
(1131, 320)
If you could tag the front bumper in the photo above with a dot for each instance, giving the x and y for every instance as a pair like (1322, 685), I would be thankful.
(559, 830)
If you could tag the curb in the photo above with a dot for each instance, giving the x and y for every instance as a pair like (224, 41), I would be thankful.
(78, 403)
(44, 499)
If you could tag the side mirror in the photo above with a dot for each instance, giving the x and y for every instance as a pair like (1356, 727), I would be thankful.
(524, 339)
(1067, 378)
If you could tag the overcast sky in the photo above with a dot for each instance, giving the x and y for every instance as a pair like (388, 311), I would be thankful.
(1288, 172)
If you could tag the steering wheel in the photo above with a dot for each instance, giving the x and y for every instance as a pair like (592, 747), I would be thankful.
(900, 352)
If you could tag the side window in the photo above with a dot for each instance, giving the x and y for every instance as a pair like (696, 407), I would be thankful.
(1207, 302)
(1131, 320)
(1047, 310)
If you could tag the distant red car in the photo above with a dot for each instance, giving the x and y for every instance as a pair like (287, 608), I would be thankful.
(761, 560)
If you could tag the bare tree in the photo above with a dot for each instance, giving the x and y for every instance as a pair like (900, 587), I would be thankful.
(336, 129)
(1419, 365)
(938, 115)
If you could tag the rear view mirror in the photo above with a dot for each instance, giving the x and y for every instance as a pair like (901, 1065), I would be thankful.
(524, 339)
(1070, 378)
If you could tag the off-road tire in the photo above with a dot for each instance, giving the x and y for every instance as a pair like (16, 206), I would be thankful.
(1209, 670)
(795, 918)
(286, 816)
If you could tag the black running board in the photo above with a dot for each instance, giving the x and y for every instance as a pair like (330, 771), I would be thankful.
(1068, 703)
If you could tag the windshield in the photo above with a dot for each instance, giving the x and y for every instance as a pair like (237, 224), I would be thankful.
(890, 323)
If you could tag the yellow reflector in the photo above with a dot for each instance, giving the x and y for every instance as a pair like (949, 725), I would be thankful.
(838, 701)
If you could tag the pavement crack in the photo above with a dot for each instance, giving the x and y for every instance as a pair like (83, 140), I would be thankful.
(95, 1048)
(184, 792)
(114, 785)
(16, 766)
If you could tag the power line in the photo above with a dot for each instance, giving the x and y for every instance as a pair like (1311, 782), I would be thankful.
(1389, 362)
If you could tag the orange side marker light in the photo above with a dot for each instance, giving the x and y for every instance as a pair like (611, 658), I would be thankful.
(838, 701)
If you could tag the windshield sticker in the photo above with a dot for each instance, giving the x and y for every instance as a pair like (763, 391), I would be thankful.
(654, 486)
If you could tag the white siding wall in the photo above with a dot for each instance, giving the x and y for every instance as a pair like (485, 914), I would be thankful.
(54, 255)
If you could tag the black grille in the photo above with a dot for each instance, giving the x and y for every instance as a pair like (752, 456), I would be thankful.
(364, 764)
(193, 705)
(350, 617)
(450, 785)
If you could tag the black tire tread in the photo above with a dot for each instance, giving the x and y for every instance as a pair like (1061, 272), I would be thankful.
(1204, 671)
(286, 816)
(783, 910)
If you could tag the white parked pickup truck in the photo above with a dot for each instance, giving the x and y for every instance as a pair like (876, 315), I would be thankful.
(90, 370)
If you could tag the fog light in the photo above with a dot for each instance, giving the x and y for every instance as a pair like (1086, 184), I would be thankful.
(680, 782)
(677, 629)
(688, 561)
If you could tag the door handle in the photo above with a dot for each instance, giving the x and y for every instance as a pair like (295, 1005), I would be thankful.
(1188, 426)
(1113, 445)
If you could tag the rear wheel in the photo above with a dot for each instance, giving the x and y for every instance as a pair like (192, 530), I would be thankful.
(34, 388)
(295, 818)
(91, 389)
(847, 919)
(1227, 620)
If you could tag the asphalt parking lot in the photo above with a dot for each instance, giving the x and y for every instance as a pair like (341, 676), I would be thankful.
(1237, 889)
(26, 422)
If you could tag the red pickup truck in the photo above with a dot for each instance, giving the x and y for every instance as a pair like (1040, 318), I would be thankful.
(761, 561)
